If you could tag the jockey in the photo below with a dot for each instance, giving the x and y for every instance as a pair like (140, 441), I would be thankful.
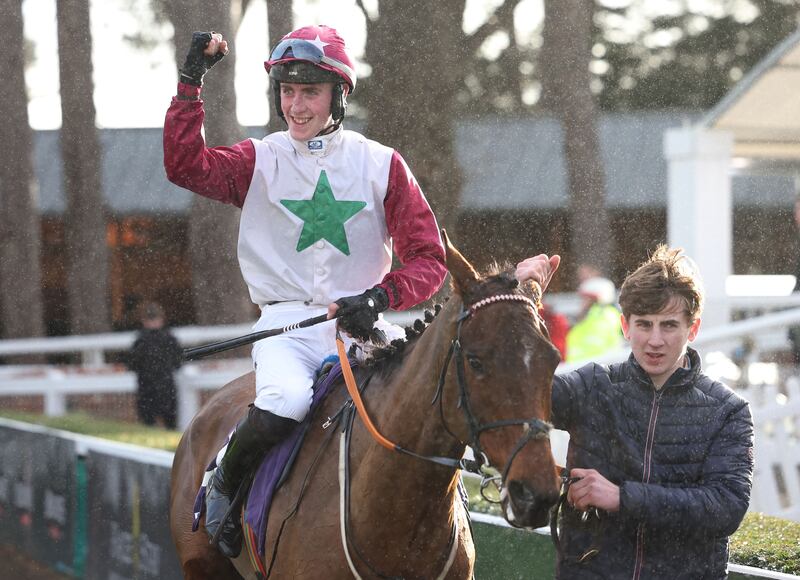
(323, 209)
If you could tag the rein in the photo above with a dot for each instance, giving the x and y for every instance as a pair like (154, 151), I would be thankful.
(593, 550)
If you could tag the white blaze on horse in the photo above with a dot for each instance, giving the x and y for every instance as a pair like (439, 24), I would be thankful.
(383, 500)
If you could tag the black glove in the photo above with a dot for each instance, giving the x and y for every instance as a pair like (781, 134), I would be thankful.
(197, 62)
(357, 314)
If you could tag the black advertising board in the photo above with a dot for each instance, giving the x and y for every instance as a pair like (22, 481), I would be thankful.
(38, 496)
(129, 534)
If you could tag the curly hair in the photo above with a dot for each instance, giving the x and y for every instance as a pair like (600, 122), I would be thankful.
(667, 274)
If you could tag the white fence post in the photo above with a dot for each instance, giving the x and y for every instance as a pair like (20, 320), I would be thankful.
(188, 397)
(776, 480)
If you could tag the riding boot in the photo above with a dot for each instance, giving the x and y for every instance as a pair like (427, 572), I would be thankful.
(256, 434)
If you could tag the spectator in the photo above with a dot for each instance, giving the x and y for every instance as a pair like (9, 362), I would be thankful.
(154, 358)
(597, 330)
(557, 327)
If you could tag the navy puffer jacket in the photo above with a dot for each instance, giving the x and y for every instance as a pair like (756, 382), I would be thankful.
(682, 456)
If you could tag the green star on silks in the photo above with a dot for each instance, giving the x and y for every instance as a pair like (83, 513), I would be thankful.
(323, 216)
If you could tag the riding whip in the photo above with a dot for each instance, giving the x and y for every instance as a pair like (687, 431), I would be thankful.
(215, 347)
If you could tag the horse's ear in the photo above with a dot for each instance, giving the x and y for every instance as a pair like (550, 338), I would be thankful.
(463, 274)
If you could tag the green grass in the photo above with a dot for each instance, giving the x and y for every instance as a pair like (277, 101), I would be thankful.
(768, 543)
(86, 424)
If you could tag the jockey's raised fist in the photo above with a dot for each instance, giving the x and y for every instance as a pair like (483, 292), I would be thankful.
(206, 50)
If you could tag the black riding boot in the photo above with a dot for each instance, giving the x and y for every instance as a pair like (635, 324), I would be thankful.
(254, 436)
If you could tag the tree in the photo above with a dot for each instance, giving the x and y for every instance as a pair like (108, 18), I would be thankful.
(686, 60)
(566, 93)
(410, 98)
(85, 216)
(220, 295)
(279, 22)
(21, 305)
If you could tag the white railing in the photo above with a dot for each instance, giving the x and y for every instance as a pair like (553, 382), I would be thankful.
(92, 348)
(776, 415)
(55, 384)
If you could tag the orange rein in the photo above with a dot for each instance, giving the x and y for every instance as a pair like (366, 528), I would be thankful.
(350, 381)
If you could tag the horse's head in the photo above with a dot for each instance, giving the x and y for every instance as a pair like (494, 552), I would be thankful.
(503, 376)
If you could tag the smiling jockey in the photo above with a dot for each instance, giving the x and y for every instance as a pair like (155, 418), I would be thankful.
(323, 209)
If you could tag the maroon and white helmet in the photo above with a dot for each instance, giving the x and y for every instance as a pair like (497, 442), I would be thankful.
(322, 47)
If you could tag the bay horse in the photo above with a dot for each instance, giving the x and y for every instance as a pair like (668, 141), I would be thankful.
(480, 375)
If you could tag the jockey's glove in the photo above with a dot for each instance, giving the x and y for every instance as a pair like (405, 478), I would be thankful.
(357, 314)
(197, 62)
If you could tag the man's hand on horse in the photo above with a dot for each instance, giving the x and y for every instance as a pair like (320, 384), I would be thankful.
(356, 315)
(539, 268)
(206, 50)
(592, 490)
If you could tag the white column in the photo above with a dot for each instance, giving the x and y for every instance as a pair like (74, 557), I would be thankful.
(700, 209)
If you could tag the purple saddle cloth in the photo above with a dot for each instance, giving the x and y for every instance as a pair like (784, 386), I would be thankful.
(276, 463)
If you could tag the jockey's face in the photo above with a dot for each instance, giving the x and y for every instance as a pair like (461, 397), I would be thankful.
(307, 108)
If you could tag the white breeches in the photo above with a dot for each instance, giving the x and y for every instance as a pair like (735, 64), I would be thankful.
(286, 364)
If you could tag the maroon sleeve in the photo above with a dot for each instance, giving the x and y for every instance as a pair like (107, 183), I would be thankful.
(220, 173)
(416, 239)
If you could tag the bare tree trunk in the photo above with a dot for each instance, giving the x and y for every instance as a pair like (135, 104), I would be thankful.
(565, 58)
(279, 22)
(21, 304)
(220, 295)
(411, 95)
(85, 217)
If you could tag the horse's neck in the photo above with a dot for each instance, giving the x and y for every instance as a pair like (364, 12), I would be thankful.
(403, 410)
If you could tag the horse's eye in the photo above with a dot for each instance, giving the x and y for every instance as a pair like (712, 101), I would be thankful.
(474, 362)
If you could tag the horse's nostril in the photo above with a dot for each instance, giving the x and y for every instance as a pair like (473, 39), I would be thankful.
(525, 497)
(520, 493)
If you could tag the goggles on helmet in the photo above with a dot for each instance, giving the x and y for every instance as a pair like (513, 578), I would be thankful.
(301, 49)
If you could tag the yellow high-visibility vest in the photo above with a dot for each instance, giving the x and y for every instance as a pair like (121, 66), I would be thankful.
(596, 334)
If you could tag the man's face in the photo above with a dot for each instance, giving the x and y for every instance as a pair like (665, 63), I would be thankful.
(658, 341)
(307, 108)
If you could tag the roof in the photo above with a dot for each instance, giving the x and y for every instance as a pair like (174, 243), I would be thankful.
(763, 110)
(508, 164)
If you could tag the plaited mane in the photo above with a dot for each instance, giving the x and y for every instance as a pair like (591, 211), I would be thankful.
(499, 279)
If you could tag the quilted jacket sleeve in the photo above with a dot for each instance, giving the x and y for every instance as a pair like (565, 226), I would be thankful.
(569, 390)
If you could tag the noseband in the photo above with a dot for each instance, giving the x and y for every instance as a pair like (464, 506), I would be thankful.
(533, 428)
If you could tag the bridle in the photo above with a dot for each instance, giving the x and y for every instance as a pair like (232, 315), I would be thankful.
(533, 428)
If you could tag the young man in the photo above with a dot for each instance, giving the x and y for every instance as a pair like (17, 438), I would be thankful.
(322, 211)
(660, 455)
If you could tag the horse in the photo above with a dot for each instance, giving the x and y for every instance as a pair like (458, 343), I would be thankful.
(485, 361)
